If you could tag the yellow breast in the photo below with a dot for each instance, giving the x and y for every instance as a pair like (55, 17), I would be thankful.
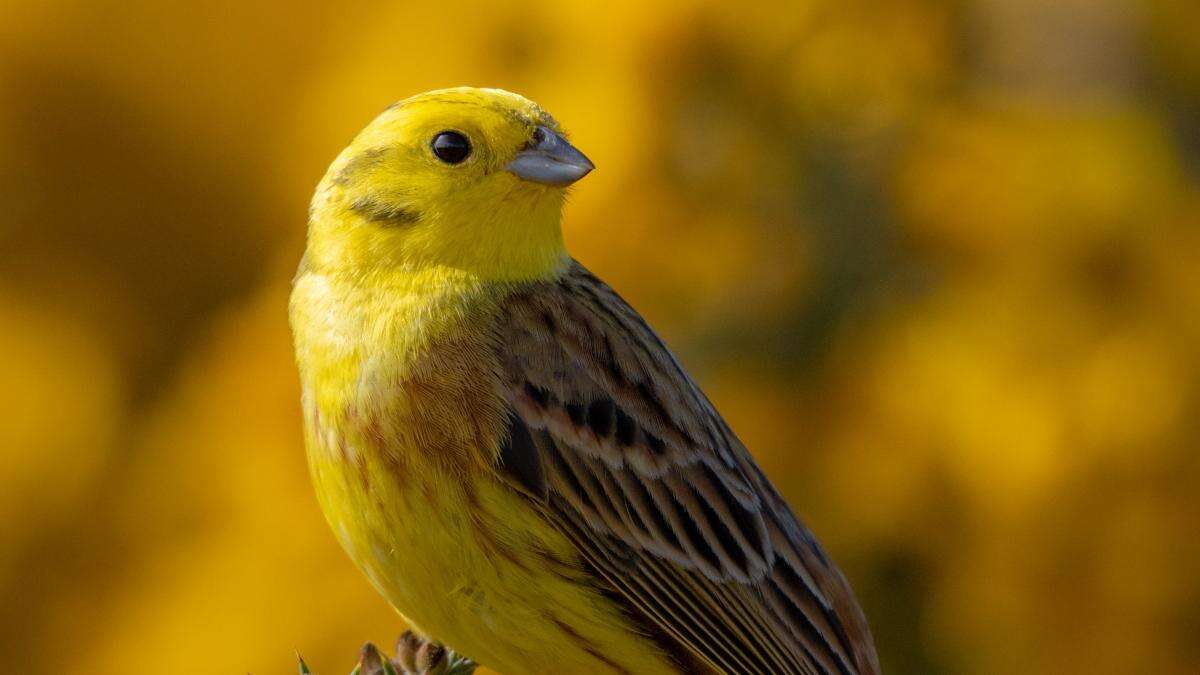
(402, 427)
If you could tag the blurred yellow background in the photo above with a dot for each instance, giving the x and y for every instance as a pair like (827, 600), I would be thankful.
(937, 262)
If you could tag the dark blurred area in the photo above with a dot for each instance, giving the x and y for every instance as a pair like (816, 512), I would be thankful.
(937, 262)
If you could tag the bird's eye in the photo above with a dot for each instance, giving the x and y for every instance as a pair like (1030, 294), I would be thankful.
(451, 147)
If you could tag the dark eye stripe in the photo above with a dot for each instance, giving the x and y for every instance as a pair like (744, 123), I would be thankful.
(380, 212)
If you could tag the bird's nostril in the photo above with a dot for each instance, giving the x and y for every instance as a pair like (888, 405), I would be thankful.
(538, 136)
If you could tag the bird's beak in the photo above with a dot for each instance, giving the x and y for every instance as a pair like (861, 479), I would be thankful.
(550, 160)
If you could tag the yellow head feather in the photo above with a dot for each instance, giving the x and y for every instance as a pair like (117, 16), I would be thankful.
(388, 203)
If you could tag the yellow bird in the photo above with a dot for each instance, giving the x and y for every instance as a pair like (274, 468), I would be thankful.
(504, 446)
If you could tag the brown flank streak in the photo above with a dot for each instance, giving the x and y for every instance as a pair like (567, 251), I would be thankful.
(585, 644)
(556, 565)
(485, 535)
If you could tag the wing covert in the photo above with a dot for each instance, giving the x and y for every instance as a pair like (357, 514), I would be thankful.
(629, 459)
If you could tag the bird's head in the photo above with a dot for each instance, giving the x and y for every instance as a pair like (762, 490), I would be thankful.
(469, 179)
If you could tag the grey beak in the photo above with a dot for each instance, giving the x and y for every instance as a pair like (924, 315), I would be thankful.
(550, 160)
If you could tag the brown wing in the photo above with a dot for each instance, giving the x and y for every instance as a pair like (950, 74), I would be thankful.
(631, 461)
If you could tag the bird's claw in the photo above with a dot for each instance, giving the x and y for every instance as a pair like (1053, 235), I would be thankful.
(415, 655)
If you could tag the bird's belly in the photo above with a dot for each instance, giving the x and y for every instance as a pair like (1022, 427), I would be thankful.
(402, 538)
(469, 562)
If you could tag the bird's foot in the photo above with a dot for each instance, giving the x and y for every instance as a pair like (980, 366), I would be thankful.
(415, 655)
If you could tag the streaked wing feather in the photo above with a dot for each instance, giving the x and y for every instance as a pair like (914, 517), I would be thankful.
(630, 460)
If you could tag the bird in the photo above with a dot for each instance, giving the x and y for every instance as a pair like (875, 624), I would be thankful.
(514, 458)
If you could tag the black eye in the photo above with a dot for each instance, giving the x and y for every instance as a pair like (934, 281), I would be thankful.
(451, 147)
